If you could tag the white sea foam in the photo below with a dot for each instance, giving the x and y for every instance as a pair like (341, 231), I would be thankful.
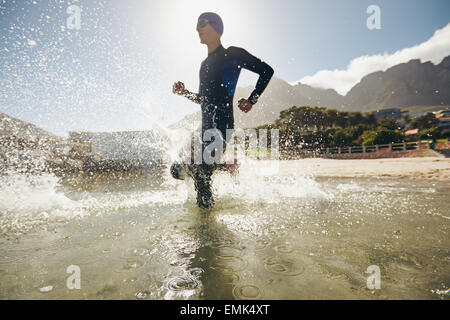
(253, 183)
(31, 195)
(28, 201)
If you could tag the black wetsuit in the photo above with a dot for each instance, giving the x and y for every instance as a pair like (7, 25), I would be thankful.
(219, 74)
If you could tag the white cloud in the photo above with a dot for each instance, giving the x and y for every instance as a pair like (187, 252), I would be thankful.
(434, 49)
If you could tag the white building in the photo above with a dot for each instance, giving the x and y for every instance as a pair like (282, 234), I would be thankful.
(146, 146)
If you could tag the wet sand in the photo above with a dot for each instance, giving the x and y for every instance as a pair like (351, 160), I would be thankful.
(416, 168)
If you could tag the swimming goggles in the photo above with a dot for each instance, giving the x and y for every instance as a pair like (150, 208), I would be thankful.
(202, 23)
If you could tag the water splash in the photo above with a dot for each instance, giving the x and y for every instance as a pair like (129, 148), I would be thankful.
(27, 201)
(252, 185)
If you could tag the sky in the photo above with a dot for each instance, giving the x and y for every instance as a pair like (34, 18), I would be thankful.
(116, 72)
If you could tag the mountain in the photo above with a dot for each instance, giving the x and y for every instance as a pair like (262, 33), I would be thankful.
(25, 148)
(10, 126)
(189, 122)
(280, 95)
(403, 85)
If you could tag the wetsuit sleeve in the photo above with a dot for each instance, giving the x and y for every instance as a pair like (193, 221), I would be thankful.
(194, 97)
(256, 65)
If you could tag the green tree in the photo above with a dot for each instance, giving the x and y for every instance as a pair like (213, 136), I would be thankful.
(341, 138)
(432, 133)
(331, 117)
(370, 119)
(382, 136)
(341, 119)
(358, 130)
(425, 122)
(390, 124)
(355, 118)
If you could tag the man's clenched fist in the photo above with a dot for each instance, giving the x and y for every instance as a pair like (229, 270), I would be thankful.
(245, 105)
(178, 88)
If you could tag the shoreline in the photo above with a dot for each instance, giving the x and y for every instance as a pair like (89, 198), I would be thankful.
(434, 168)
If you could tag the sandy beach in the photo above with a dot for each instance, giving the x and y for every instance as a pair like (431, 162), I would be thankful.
(417, 168)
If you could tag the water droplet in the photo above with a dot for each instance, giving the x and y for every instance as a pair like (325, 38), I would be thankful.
(185, 282)
(46, 289)
(140, 295)
(136, 252)
(247, 292)
(195, 272)
(228, 252)
(285, 267)
(130, 265)
(283, 249)
(229, 265)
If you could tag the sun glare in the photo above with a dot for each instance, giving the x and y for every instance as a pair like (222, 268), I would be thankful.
(182, 18)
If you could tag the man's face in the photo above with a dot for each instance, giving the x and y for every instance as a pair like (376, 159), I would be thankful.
(207, 34)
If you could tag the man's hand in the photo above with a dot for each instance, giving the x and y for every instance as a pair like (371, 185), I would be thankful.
(245, 105)
(178, 88)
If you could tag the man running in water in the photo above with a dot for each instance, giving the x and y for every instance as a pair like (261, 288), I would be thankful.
(219, 74)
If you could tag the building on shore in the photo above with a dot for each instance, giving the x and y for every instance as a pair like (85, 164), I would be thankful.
(444, 120)
(146, 147)
(391, 113)
(443, 114)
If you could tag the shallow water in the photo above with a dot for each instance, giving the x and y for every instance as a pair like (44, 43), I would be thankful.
(281, 236)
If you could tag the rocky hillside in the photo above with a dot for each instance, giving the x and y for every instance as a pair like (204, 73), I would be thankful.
(407, 84)
(25, 148)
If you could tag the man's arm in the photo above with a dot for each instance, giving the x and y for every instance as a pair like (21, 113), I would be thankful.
(194, 97)
(256, 65)
(178, 88)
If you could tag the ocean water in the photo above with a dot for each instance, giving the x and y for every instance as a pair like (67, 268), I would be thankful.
(272, 235)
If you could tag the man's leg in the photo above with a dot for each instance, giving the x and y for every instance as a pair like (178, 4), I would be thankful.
(201, 174)
(181, 167)
(177, 171)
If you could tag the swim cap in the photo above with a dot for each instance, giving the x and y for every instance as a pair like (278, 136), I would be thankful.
(214, 20)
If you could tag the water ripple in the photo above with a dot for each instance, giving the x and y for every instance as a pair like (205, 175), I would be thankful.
(229, 265)
(131, 265)
(246, 292)
(184, 282)
(286, 267)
